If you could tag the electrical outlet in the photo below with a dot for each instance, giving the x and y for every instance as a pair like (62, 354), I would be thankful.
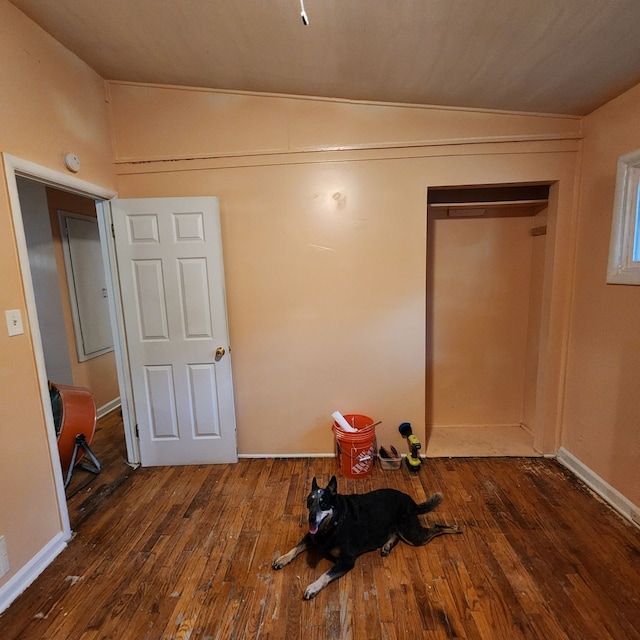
(4, 558)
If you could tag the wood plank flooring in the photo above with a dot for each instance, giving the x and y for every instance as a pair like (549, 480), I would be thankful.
(186, 552)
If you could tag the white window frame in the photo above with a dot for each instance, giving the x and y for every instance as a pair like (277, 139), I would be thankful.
(624, 266)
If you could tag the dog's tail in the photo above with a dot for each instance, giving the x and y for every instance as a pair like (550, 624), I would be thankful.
(430, 504)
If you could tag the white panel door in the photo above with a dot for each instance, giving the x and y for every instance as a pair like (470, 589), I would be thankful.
(169, 255)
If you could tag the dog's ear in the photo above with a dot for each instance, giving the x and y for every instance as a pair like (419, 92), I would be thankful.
(332, 487)
(314, 484)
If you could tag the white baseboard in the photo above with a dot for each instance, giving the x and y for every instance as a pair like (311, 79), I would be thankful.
(107, 408)
(612, 496)
(25, 576)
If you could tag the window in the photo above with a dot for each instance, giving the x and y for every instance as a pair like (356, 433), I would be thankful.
(624, 251)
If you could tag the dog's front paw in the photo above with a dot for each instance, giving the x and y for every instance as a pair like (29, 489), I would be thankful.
(316, 587)
(310, 592)
(284, 560)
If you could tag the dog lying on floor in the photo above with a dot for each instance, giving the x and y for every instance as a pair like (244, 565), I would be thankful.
(350, 525)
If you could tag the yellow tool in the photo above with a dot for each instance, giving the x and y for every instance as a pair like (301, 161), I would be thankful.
(413, 459)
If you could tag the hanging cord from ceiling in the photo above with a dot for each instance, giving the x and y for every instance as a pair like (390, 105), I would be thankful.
(303, 14)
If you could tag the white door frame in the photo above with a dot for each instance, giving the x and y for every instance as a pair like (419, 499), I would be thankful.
(14, 166)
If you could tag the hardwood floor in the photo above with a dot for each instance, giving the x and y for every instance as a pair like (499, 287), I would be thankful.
(186, 553)
(86, 491)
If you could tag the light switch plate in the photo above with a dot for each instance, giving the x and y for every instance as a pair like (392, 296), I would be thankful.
(14, 322)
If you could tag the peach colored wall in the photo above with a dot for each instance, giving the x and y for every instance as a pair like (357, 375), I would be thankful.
(325, 251)
(534, 321)
(97, 374)
(480, 296)
(184, 123)
(602, 413)
(50, 103)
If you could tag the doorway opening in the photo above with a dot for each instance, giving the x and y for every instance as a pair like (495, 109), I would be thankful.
(36, 180)
(486, 278)
(69, 285)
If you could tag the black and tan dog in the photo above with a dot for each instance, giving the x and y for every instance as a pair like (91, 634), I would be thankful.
(346, 526)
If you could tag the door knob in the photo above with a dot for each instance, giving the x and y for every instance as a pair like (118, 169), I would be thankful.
(220, 351)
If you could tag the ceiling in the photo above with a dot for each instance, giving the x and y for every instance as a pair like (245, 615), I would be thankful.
(549, 56)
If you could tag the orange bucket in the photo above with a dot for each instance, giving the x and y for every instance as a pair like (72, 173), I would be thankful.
(355, 450)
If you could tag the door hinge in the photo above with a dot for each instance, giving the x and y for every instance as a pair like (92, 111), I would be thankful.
(113, 231)
(137, 432)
